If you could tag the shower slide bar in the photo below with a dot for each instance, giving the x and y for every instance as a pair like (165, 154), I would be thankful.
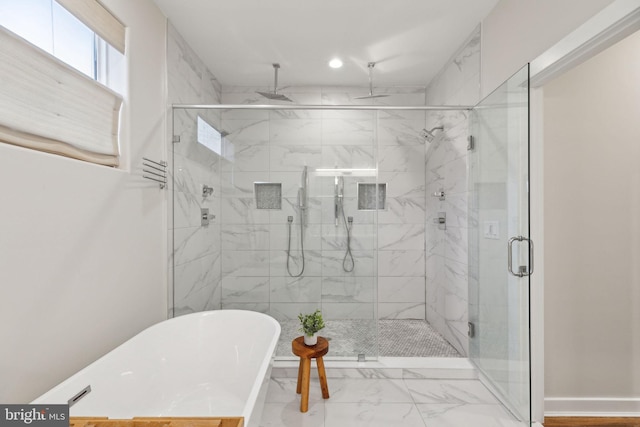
(321, 107)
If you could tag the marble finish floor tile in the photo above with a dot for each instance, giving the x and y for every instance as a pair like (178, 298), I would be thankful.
(466, 415)
(372, 415)
(373, 390)
(374, 402)
(449, 391)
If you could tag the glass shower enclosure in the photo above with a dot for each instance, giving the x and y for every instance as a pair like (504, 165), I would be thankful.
(275, 210)
(500, 251)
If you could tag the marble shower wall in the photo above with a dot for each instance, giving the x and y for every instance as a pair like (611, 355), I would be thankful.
(447, 261)
(274, 146)
(194, 250)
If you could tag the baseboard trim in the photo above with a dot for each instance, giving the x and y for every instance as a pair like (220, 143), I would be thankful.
(591, 407)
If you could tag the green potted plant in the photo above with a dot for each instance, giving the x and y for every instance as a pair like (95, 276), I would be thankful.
(311, 324)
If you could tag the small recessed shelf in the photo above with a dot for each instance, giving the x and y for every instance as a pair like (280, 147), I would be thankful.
(268, 195)
(367, 196)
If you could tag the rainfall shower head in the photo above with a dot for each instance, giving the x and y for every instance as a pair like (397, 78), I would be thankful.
(429, 134)
(370, 65)
(275, 95)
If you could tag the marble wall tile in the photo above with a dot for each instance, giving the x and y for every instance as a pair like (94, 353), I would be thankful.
(348, 156)
(261, 307)
(194, 242)
(332, 264)
(242, 210)
(241, 184)
(279, 236)
(435, 240)
(350, 207)
(245, 263)
(341, 131)
(403, 210)
(313, 261)
(394, 158)
(457, 208)
(348, 289)
(292, 180)
(244, 237)
(186, 210)
(451, 177)
(189, 175)
(291, 158)
(312, 214)
(403, 184)
(456, 246)
(446, 169)
(248, 156)
(451, 143)
(401, 289)
(295, 131)
(335, 238)
(345, 96)
(453, 85)
(245, 289)
(401, 237)
(197, 285)
(295, 289)
(347, 311)
(283, 311)
(401, 263)
(402, 310)
(393, 131)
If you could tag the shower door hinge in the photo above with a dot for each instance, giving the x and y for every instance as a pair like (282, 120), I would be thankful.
(471, 143)
(176, 139)
(472, 330)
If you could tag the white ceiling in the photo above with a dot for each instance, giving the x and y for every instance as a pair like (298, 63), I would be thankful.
(409, 40)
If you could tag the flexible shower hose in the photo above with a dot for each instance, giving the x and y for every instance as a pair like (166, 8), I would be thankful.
(348, 256)
(290, 221)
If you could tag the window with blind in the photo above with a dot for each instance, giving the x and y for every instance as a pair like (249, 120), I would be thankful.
(61, 78)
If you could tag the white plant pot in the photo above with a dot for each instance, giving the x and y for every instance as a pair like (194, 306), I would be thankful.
(311, 340)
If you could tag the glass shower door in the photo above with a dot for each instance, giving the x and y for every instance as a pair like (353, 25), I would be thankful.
(500, 252)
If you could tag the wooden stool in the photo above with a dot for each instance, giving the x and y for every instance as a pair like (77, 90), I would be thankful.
(306, 353)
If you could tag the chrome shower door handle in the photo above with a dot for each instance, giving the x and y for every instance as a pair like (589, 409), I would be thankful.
(522, 270)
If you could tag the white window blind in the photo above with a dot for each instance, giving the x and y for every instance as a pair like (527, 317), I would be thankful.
(99, 19)
(47, 105)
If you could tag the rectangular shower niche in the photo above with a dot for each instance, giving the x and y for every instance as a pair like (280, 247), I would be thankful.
(268, 195)
(367, 196)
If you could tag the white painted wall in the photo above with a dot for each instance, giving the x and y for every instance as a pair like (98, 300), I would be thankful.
(592, 231)
(516, 32)
(82, 247)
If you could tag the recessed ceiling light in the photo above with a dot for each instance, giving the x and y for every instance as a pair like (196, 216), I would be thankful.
(335, 63)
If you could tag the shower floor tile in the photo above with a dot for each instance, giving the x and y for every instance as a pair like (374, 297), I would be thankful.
(397, 338)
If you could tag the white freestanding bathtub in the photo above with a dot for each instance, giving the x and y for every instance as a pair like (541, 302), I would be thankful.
(214, 363)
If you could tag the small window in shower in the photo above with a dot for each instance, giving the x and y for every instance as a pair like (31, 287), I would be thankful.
(209, 136)
(268, 195)
(368, 193)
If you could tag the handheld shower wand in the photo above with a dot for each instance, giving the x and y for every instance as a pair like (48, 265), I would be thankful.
(302, 208)
(348, 262)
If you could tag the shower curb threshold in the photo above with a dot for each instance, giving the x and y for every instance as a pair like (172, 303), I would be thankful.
(386, 367)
